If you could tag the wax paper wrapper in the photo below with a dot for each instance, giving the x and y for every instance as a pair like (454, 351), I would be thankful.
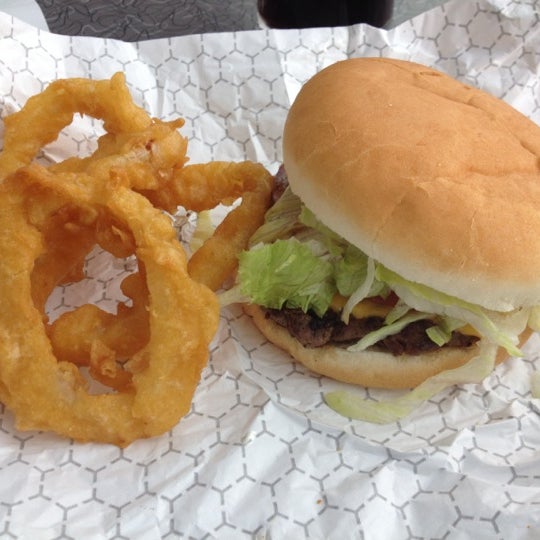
(260, 455)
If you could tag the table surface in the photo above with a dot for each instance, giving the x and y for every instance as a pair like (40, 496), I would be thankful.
(135, 20)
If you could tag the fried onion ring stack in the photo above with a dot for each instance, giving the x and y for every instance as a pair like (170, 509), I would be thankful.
(151, 352)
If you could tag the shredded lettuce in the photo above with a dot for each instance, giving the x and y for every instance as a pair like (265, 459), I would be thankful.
(335, 244)
(280, 219)
(233, 295)
(423, 298)
(203, 230)
(387, 330)
(384, 412)
(367, 276)
(535, 385)
(441, 333)
(398, 311)
(352, 271)
(534, 318)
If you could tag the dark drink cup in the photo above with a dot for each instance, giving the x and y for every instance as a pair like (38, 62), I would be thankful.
(314, 13)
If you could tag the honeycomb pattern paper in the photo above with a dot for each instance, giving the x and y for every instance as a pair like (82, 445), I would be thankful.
(260, 455)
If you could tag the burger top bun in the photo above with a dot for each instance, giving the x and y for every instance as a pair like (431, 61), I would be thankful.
(436, 180)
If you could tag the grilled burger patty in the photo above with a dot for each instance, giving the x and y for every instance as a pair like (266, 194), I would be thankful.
(314, 331)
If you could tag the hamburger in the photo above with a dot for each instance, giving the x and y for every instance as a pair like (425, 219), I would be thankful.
(404, 241)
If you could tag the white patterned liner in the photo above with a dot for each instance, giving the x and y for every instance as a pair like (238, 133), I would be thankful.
(260, 455)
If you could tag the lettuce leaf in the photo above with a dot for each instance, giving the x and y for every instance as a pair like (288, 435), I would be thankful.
(355, 407)
(287, 272)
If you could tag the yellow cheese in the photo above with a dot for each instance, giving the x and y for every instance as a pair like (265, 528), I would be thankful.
(468, 330)
(362, 310)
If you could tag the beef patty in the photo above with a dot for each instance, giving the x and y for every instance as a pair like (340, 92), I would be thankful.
(314, 331)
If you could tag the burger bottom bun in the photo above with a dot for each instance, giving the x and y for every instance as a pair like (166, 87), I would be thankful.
(367, 368)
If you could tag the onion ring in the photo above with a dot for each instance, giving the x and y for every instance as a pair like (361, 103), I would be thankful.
(48, 394)
(103, 341)
(25, 132)
(202, 187)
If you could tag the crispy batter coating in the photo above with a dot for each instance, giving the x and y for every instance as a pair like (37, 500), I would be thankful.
(46, 393)
(151, 352)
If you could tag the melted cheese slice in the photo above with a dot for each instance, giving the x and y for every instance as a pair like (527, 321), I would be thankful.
(468, 330)
(362, 310)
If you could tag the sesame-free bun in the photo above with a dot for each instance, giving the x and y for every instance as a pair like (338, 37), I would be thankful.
(437, 180)
(372, 369)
